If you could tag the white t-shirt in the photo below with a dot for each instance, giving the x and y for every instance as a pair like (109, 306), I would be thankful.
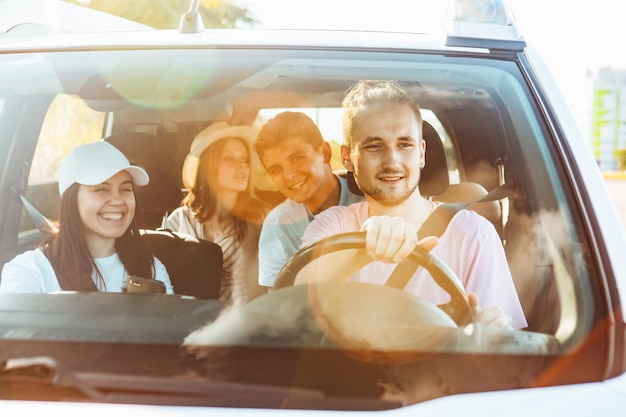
(470, 246)
(31, 272)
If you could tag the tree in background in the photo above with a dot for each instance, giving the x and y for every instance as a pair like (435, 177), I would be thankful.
(166, 14)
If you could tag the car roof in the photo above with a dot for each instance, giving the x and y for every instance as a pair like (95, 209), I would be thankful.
(274, 38)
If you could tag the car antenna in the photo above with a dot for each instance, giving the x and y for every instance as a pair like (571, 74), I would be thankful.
(191, 21)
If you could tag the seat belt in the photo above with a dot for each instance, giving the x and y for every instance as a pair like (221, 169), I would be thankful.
(45, 226)
(437, 222)
(435, 225)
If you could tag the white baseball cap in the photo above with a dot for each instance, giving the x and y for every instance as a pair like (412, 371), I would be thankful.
(96, 162)
(207, 137)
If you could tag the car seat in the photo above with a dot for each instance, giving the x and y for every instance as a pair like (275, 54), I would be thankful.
(165, 191)
(194, 265)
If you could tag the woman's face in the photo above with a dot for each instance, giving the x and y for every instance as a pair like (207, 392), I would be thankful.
(233, 167)
(107, 209)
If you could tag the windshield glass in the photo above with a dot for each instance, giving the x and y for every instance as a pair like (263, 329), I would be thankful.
(244, 312)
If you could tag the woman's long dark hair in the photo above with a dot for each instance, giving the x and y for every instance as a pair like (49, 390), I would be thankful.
(69, 255)
(202, 199)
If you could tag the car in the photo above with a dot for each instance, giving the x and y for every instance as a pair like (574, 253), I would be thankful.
(493, 119)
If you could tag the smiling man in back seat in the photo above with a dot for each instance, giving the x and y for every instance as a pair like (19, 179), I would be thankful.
(297, 158)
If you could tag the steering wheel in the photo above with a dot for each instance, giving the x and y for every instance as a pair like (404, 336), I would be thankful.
(457, 308)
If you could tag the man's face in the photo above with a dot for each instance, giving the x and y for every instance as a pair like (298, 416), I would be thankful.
(298, 170)
(387, 153)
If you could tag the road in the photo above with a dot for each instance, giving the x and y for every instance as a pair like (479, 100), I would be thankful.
(617, 188)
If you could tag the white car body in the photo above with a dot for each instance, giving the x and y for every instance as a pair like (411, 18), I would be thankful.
(605, 395)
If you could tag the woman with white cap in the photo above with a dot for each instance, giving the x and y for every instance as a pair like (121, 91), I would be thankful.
(221, 207)
(96, 245)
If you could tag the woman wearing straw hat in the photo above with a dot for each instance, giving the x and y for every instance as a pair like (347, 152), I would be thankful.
(221, 207)
(96, 245)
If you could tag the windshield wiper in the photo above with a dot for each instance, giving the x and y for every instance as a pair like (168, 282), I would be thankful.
(45, 367)
(134, 389)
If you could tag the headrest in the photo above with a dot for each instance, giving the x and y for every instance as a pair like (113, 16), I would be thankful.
(435, 178)
(151, 153)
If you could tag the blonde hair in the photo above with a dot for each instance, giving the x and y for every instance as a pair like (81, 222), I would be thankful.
(369, 93)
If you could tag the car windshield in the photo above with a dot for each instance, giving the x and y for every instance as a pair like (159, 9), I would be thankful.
(331, 343)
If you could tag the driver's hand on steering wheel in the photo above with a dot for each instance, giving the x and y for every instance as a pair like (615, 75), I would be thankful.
(392, 239)
(491, 316)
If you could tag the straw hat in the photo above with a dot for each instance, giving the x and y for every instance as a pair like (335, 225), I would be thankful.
(207, 137)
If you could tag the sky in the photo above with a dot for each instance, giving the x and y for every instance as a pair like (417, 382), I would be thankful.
(575, 38)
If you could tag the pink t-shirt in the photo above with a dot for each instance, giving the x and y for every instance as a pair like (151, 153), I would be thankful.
(470, 246)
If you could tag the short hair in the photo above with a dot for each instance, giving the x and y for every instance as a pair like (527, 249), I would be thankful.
(285, 126)
(369, 93)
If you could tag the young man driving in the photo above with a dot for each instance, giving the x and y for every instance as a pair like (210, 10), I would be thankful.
(383, 147)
